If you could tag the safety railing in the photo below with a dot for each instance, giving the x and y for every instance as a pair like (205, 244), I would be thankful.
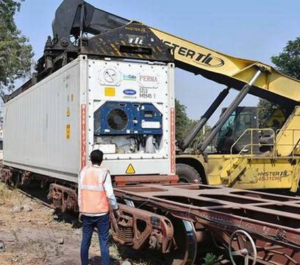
(295, 142)
(247, 150)
(251, 145)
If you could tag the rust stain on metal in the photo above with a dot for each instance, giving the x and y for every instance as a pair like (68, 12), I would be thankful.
(63, 198)
(138, 228)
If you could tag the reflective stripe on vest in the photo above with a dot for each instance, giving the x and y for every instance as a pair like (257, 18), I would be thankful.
(93, 198)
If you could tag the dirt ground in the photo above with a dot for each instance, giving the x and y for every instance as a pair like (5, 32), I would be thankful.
(43, 237)
(38, 235)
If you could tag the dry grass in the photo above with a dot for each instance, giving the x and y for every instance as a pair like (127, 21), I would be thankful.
(32, 237)
(5, 194)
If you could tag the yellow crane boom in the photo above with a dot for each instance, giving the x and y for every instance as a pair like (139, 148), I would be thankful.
(231, 71)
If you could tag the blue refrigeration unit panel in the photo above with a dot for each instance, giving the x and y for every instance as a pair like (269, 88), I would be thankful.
(128, 118)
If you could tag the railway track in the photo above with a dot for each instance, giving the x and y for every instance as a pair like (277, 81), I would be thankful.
(36, 199)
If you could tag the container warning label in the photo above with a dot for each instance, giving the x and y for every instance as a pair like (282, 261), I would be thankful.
(130, 169)
(68, 131)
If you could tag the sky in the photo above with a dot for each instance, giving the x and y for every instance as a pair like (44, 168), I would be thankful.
(252, 29)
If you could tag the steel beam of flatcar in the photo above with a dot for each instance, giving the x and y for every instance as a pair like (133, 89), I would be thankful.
(272, 221)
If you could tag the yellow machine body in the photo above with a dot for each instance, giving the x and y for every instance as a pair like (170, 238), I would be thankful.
(275, 169)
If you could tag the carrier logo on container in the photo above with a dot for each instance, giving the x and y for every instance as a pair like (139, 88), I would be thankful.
(129, 77)
(129, 92)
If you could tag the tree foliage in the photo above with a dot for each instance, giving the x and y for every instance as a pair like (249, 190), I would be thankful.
(181, 120)
(287, 62)
(15, 51)
(184, 124)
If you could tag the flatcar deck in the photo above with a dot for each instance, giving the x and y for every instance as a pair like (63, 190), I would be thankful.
(256, 226)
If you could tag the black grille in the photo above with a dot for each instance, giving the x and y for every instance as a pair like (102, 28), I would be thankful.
(117, 120)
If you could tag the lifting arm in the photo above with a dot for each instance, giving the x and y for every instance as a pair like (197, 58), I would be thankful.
(77, 18)
(229, 111)
(75, 15)
(231, 71)
(210, 111)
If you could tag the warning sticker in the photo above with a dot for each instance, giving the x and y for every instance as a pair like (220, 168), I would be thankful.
(68, 131)
(130, 169)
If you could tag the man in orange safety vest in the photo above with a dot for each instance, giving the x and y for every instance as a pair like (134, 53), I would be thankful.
(95, 197)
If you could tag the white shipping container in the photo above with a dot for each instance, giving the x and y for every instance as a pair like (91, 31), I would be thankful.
(50, 128)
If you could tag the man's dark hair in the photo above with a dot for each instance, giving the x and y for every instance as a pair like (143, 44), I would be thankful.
(97, 157)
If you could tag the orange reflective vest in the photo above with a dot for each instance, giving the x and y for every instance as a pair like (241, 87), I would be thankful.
(92, 197)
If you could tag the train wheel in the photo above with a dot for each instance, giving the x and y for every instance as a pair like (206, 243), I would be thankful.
(185, 250)
(16, 180)
(185, 242)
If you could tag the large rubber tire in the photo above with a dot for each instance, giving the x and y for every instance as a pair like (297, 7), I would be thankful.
(187, 174)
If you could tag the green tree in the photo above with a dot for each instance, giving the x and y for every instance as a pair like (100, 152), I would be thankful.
(15, 51)
(201, 135)
(287, 62)
(184, 124)
(181, 120)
